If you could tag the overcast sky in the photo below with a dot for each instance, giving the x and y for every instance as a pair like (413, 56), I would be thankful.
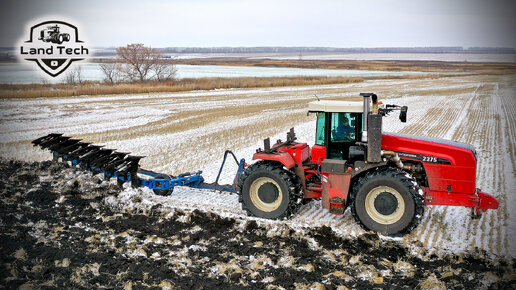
(203, 23)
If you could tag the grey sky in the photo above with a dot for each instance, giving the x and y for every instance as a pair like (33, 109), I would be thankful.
(359, 23)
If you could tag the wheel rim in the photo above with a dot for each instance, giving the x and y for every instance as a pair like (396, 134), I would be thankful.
(266, 194)
(384, 205)
(163, 192)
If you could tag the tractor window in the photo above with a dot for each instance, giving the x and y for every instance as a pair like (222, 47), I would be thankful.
(319, 135)
(343, 127)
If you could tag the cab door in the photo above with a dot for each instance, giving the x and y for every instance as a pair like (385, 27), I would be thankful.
(343, 131)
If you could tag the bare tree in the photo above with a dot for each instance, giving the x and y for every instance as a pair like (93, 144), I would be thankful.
(44, 82)
(74, 75)
(136, 62)
(142, 63)
(78, 74)
(139, 60)
(164, 71)
(112, 71)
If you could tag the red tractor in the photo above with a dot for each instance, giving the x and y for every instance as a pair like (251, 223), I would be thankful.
(386, 178)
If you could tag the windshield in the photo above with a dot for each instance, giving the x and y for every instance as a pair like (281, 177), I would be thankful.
(343, 127)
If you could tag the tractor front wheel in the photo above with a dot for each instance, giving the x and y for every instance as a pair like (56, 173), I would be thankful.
(268, 190)
(388, 201)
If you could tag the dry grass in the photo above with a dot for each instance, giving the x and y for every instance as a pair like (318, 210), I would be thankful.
(98, 88)
(389, 65)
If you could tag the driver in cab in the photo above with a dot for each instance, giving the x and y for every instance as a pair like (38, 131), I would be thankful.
(344, 132)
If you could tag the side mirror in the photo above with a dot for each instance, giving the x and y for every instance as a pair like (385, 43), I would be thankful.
(403, 114)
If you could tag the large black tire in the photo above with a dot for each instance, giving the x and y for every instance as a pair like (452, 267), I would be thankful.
(268, 190)
(163, 192)
(387, 200)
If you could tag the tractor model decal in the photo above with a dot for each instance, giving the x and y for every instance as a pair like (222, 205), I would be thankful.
(53, 46)
(424, 158)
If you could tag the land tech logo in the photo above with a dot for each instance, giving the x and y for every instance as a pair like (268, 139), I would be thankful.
(53, 45)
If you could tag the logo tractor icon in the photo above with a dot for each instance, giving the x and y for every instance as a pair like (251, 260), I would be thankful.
(52, 34)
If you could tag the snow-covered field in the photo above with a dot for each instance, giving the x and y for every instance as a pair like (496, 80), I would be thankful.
(189, 131)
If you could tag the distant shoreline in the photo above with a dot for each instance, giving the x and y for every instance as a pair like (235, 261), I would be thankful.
(390, 65)
(387, 65)
(505, 54)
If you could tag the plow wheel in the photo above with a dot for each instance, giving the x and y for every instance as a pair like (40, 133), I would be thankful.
(270, 191)
(163, 192)
(388, 201)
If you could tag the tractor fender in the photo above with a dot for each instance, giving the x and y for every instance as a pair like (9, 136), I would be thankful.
(281, 157)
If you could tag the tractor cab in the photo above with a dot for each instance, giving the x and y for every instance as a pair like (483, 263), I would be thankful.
(343, 126)
(339, 128)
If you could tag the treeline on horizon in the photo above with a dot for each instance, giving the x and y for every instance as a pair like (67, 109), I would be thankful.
(309, 49)
(278, 49)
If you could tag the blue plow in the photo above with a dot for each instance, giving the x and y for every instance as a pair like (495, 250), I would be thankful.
(125, 168)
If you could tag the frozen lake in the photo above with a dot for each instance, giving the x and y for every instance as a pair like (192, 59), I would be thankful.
(25, 73)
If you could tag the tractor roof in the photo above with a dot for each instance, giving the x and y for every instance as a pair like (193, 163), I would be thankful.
(336, 106)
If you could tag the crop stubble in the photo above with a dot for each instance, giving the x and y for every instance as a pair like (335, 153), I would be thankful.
(193, 131)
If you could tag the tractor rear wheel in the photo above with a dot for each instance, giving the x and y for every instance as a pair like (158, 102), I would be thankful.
(388, 201)
(268, 190)
(163, 192)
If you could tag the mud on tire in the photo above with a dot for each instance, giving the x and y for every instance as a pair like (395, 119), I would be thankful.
(387, 200)
(268, 190)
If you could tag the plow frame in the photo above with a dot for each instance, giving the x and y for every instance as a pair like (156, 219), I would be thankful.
(124, 167)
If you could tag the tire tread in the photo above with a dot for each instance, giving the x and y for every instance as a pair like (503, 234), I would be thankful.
(402, 176)
(292, 180)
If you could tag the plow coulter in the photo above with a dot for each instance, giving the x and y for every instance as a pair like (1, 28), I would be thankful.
(125, 167)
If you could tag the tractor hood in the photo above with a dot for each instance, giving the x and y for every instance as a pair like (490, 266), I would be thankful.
(427, 149)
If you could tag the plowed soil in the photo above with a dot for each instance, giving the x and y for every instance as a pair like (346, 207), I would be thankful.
(57, 231)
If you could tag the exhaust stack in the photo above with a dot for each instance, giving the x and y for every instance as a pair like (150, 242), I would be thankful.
(368, 97)
(372, 133)
(367, 102)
